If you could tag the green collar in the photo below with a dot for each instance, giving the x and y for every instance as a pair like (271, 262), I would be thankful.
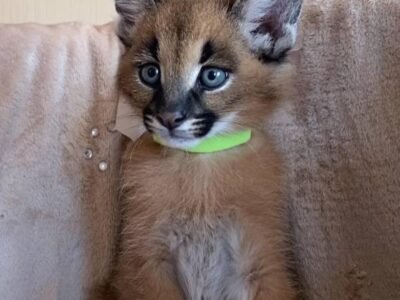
(217, 143)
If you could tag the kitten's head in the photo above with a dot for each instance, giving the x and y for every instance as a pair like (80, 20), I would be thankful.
(197, 68)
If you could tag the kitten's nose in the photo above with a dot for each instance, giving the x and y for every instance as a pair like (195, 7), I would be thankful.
(171, 120)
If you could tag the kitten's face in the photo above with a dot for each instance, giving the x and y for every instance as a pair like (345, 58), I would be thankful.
(191, 73)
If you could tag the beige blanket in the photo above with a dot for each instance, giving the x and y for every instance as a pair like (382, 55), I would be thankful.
(341, 139)
(57, 83)
(343, 148)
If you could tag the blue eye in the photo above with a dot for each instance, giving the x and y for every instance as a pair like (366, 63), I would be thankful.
(213, 78)
(150, 74)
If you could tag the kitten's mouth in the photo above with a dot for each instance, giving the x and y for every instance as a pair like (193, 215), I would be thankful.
(182, 128)
(191, 132)
(187, 134)
(176, 138)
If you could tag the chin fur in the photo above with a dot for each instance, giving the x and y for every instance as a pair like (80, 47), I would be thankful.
(223, 126)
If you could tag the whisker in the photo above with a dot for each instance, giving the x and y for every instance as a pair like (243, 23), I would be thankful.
(135, 145)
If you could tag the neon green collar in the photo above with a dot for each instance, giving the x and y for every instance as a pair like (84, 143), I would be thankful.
(217, 143)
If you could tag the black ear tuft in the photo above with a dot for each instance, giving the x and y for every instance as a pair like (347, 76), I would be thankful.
(270, 26)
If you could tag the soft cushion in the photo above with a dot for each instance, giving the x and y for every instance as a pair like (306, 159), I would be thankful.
(57, 83)
(342, 145)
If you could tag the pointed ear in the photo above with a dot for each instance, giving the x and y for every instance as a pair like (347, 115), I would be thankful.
(130, 11)
(269, 26)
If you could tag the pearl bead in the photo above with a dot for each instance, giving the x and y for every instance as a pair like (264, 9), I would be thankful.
(95, 132)
(88, 154)
(103, 166)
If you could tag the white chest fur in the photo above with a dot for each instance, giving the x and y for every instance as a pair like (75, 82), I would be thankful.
(207, 259)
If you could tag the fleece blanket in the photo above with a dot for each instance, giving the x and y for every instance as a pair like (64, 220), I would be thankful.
(58, 159)
(340, 134)
(342, 145)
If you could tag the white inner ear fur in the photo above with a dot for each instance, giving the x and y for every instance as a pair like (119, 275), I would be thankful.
(287, 41)
(258, 41)
(256, 10)
(132, 9)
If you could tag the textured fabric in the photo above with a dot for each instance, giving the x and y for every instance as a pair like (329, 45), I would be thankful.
(56, 208)
(341, 139)
(342, 143)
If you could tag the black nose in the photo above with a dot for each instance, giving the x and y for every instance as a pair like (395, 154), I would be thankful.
(171, 120)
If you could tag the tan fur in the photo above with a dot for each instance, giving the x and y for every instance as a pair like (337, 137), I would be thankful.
(165, 186)
(171, 198)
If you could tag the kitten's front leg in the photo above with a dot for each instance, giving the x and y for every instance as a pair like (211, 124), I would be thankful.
(261, 263)
(272, 280)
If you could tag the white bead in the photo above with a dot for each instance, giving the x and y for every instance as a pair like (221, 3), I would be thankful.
(88, 153)
(95, 132)
(103, 166)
